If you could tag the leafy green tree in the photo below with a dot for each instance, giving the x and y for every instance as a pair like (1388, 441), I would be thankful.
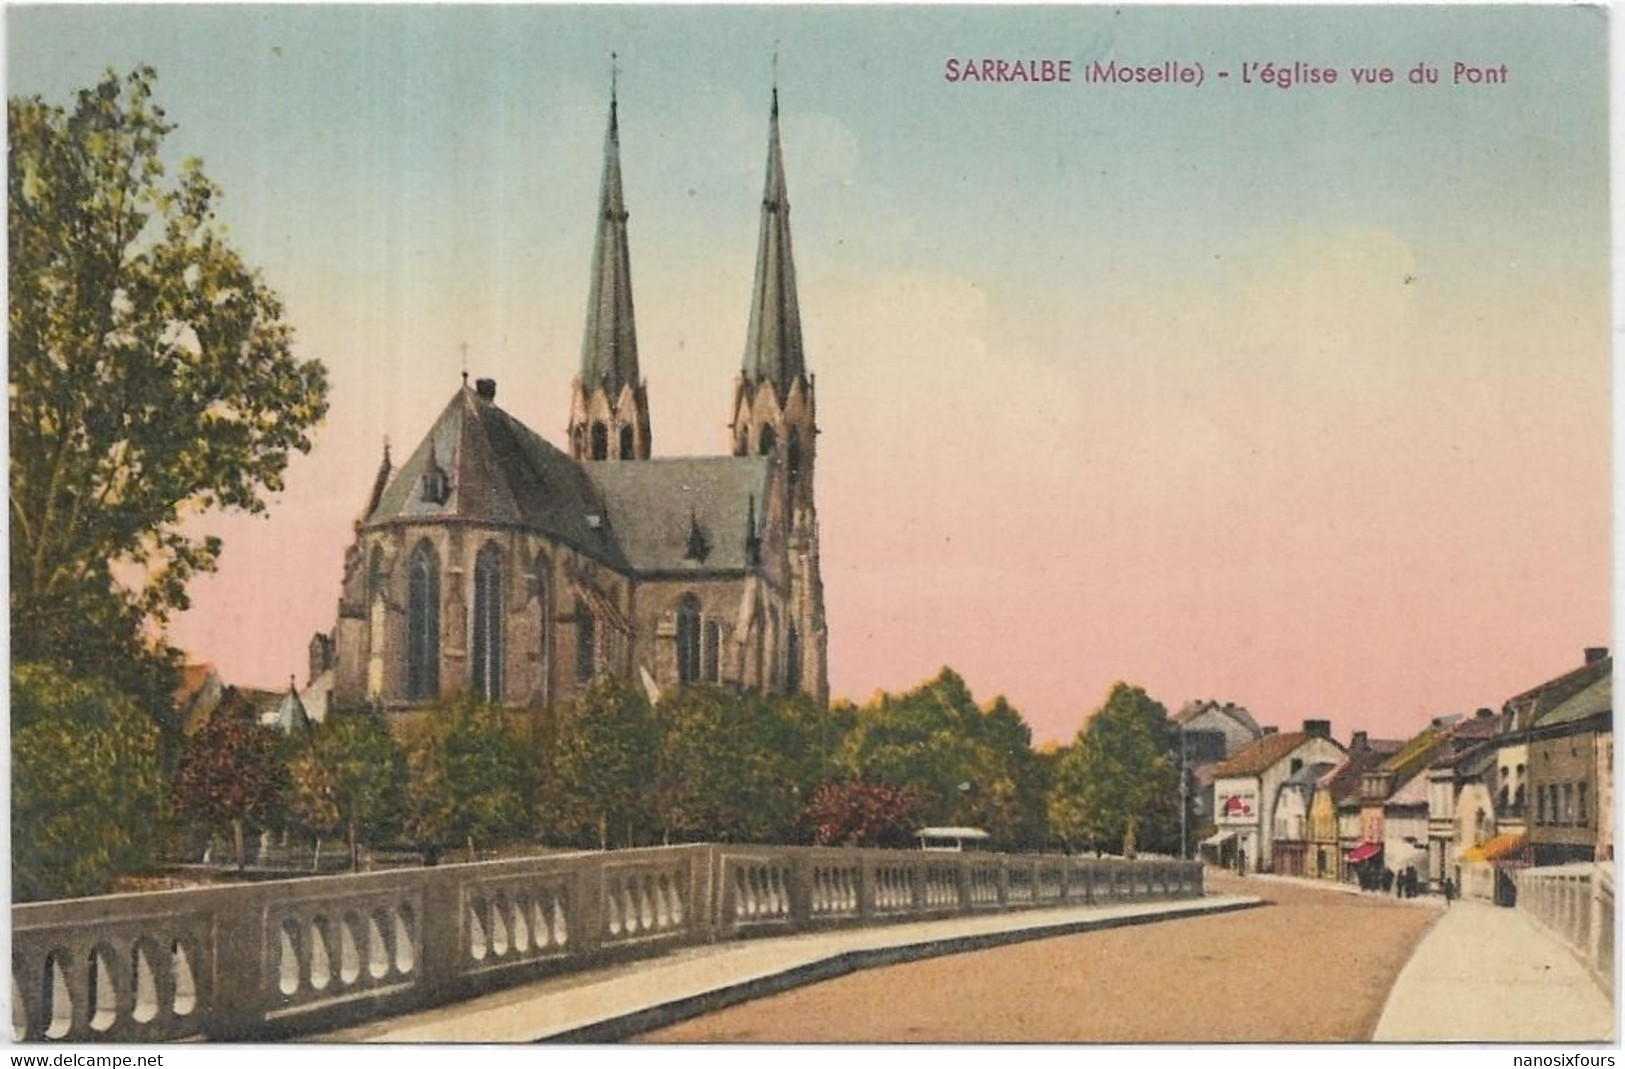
(349, 778)
(87, 796)
(965, 765)
(602, 768)
(468, 776)
(738, 767)
(233, 774)
(1118, 784)
(152, 376)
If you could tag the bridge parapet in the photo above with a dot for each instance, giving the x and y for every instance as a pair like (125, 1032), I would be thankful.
(285, 957)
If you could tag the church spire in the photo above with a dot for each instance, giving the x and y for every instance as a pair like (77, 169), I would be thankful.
(609, 348)
(609, 408)
(773, 342)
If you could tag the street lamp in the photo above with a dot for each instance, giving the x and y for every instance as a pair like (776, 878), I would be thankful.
(1184, 794)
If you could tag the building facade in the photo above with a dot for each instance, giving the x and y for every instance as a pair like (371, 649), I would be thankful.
(1246, 788)
(494, 563)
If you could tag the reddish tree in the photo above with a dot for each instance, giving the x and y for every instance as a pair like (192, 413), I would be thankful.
(232, 772)
(861, 813)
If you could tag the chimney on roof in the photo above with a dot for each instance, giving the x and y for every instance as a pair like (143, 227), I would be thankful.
(1483, 714)
(1595, 654)
(486, 388)
(1359, 741)
(1318, 729)
(1270, 730)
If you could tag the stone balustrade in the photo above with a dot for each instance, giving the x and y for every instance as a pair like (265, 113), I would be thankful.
(280, 958)
(1575, 902)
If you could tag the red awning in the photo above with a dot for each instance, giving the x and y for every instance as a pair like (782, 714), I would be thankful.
(1363, 851)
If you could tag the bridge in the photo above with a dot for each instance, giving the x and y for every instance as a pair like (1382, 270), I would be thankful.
(717, 943)
(296, 957)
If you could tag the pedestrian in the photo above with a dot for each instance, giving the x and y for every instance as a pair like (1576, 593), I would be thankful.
(1241, 862)
(1449, 891)
(1387, 880)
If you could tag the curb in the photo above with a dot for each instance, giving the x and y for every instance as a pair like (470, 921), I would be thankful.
(623, 1026)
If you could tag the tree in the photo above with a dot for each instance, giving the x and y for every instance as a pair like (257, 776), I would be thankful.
(86, 792)
(1118, 785)
(737, 767)
(965, 765)
(602, 767)
(861, 813)
(350, 777)
(468, 776)
(233, 773)
(152, 376)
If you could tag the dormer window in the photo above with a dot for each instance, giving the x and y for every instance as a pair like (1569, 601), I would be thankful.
(436, 486)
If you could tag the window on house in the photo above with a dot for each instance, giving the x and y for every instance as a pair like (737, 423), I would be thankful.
(792, 456)
(1506, 798)
(488, 623)
(586, 638)
(1568, 803)
(600, 441)
(1540, 805)
(1518, 799)
(713, 650)
(688, 639)
(626, 441)
(1583, 817)
(423, 624)
(767, 441)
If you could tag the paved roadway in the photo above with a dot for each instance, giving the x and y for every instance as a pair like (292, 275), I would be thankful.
(1313, 966)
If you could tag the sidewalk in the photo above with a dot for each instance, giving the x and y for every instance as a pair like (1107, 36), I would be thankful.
(1339, 887)
(1488, 974)
(613, 1003)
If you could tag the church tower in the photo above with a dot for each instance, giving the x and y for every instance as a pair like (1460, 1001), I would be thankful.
(774, 415)
(609, 402)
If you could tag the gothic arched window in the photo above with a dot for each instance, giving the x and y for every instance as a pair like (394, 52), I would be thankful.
(626, 441)
(586, 638)
(688, 639)
(792, 455)
(766, 441)
(487, 644)
(713, 650)
(600, 442)
(423, 624)
(792, 660)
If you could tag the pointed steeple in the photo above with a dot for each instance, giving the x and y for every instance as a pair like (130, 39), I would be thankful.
(609, 406)
(773, 342)
(609, 349)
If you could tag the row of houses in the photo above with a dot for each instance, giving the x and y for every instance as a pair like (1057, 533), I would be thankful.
(1467, 799)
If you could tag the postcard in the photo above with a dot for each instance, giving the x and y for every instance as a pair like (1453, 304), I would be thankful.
(810, 524)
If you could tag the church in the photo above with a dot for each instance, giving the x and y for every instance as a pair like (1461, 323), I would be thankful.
(496, 563)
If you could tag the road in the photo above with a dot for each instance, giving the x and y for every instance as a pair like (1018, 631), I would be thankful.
(1312, 966)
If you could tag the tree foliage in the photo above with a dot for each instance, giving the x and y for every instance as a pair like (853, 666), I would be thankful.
(233, 775)
(349, 778)
(152, 375)
(861, 813)
(966, 765)
(468, 776)
(600, 785)
(737, 767)
(1117, 786)
(86, 793)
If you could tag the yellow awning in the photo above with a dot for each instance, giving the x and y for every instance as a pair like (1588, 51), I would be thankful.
(1494, 849)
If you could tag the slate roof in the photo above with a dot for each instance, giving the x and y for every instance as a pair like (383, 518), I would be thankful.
(1529, 708)
(655, 506)
(1238, 713)
(503, 473)
(681, 514)
(1344, 781)
(1595, 699)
